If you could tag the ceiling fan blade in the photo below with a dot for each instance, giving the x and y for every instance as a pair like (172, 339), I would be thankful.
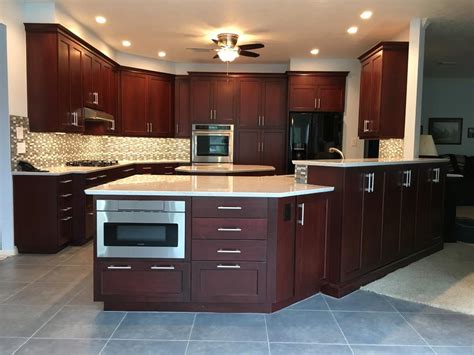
(249, 54)
(245, 47)
(215, 57)
(200, 49)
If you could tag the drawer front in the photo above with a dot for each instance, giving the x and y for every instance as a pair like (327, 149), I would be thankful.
(65, 200)
(145, 281)
(65, 184)
(229, 250)
(165, 169)
(65, 229)
(145, 168)
(97, 178)
(233, 207)
(237, 228)
(127, 171)
(242, 282)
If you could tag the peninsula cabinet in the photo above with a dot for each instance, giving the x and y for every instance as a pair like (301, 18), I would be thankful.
(383, 91)
(212, 98)
(383, 217)
(316, 91)
(261, 102)
(181, 107)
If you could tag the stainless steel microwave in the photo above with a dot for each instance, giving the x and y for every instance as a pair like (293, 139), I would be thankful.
(212, 143)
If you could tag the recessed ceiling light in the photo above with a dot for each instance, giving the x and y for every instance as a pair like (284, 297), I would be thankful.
(314, 51)
(366, 15)
(126, 43)
(100, 19)
(352, 30)
(161, 54)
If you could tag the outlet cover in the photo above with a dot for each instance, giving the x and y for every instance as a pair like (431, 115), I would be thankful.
(21, 148)
(20, 133)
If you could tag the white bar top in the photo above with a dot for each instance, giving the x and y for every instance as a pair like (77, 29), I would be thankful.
(223, 169)
(211, 186)
(346, 163)
(64, 170)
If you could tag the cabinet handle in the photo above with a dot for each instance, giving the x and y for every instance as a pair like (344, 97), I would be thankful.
(210, 115)
(146, 168)
(66, 219)
(229, 251)
(369, 182)
(409, 179)
(92, 178)
(436, 173)
(113, 267)
(91, 213)
(235, 266)
(406, 178)
(215, 115)
(65, 181)
(262, 147)
(102, 176)
(177, 127)
(315, 103)
(301, 221)
(319, 103)
(366, 125)
(263, 121)
(169, 167)
(65, 195)
(96, 97)
(169, 174)
(229, 229)
(151, 127)
(229, 207)
(155, 267)
(128, 170)
(373, 183)
(259, 120)
(66, 209)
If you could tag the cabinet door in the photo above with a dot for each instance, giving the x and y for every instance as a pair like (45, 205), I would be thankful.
(331, 98)
(133, 90)
(201, 100)
(302, 98)
(109, 93)
(92, 80)
(408, 217)
(223, 100)
(248, 147)
(376, 94)
(97, 94)
(273, 144)
(311, 239)
(365, 99)
(182, 109)
(159, 112)
(274, 113)
(437, 204)
(249, 102)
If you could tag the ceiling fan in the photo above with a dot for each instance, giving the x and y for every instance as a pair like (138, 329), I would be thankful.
(228, 50)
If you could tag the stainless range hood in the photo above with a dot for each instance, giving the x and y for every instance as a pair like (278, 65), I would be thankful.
(99, 116)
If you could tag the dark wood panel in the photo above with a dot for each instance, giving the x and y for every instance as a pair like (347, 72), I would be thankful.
(408, 218)
(229, 207)
(331, 97)
(201, 100)
(274, 150)
(160, 106)
(302, 98)
(182, 108)
(133, 103)
(249, 102)
(248, 147)
(274, 103)
(229, 250)
(223, 100)
(227, 228)
(392, 210)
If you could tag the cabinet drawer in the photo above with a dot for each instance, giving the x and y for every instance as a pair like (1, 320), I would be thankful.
(65, 200)
(237, 228)
(127, 171)
(139, 281)
(65, 229)
(229, 250)
(95, 179)
(65, 184)
(229, 282)
(232, 207)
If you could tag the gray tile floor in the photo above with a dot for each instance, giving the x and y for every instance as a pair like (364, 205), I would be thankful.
(46, 307)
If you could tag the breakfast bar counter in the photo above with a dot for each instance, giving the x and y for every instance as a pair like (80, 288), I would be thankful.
(226, 169)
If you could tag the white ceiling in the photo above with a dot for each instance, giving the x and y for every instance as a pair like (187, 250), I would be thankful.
(288, 28)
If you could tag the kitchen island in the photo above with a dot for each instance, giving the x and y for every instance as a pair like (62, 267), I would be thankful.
(249, 244)
(226, 169)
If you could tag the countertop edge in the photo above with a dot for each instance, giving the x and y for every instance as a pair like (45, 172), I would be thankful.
(341, 164)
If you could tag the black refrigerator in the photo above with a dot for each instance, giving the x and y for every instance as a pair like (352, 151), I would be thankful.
(312, 134)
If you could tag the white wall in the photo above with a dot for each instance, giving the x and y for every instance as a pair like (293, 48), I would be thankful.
(453, 98)
(184, 68)
(352, 146)
(137, 61)
(6, 189)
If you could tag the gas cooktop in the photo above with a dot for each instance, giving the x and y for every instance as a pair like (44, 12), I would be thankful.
(92, 163)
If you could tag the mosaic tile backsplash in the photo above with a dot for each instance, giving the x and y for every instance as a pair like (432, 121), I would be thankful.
(53, 149)
(391, 149)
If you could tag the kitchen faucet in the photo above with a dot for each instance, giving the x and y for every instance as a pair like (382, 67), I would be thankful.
(335, 150)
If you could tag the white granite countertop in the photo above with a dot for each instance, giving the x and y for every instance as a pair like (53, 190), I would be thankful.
(346, 163)
(64, 170)
(223, 169)
(211, 186)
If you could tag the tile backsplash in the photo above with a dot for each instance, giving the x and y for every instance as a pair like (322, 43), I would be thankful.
(54, 149)
(391, 149)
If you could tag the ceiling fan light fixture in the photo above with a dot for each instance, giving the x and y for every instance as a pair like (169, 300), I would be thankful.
(228, 54)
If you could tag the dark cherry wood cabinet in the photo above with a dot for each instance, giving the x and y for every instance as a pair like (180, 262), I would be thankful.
(212, 98)
(383, 91)
(160, 97)
(261, 102)
(182, 116)
(316, 91)
(133, 99)
(47, 202)
(92, 80)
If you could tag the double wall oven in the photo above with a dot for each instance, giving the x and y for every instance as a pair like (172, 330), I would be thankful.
(141, 229)
(212, 143)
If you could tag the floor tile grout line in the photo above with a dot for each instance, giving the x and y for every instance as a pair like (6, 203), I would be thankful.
(190, 333)
(338, 325)
(112, 334)
(42, 326)
(268, 337)
(411, 326)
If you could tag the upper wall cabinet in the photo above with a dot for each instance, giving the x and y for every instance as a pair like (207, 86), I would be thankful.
(317, 91)
(383, 86)
(64, 75)
(212, 98)
(182, 108)
(261, 102)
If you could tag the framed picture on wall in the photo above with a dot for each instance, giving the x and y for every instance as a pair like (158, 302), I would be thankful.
(470, 132)
(446, 130)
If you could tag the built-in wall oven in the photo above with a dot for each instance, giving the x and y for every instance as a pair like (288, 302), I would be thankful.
(140, 229)
(212, 143)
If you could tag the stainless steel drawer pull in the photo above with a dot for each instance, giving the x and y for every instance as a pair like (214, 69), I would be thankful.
(169, 167)
(301, 221)
(168, 173)
(66, 195)
(113, 267)
(146, 168)
(102, 176)
(66, 219)
(91, 213)
(229, 207)
(236, 266)
(66, 209)
(65, 181)
(229, 251)
(92, 178)
(170, 267)
(229, 229)
(128, 170)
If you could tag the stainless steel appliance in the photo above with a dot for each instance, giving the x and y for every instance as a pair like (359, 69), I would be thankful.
(212, 143)
(140, 229)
